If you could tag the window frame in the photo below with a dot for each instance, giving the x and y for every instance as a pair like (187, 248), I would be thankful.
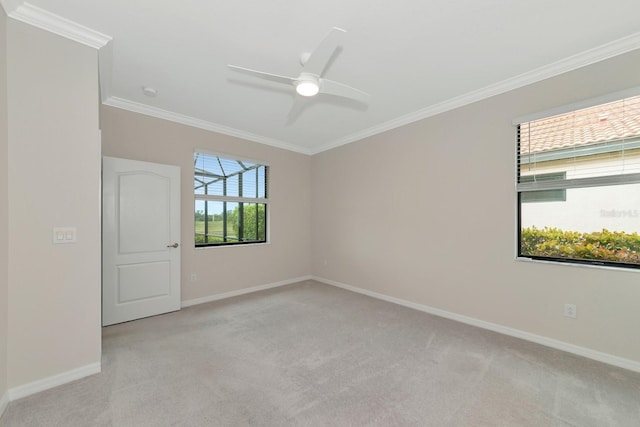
(240, 200)
(559, 184)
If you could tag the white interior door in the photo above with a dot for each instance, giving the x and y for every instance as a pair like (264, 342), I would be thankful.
(140, 239)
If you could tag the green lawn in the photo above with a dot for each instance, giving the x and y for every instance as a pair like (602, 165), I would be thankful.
(215, 230)
(215, 227)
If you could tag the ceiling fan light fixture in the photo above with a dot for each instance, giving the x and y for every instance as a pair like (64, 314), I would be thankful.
(307, 88)
(310, 81)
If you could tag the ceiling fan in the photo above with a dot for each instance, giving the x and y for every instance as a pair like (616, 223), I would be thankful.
(310, 81)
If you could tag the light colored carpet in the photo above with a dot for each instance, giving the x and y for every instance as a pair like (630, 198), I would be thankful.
(313, 355)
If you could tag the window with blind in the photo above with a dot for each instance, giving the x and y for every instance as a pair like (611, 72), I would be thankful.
(582, 170)
(231, 200)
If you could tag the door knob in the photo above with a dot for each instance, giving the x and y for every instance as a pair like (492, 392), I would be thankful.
(175, 245)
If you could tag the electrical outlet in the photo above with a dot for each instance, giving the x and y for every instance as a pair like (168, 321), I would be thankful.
(194, 277)
(570, 310)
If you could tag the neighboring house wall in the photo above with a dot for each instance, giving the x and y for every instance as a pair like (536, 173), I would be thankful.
(615, 207)
(441, 229)
(4, 184)
(54, 180)
(223, 269)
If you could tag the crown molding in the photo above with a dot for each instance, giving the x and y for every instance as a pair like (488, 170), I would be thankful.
(33, 15)
(588, 57)
(159, 113)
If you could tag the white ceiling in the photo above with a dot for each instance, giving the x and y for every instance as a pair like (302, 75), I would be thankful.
(415, 57)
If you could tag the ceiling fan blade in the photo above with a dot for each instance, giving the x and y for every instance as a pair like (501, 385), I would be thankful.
(320, 57)
(338, 89)
(261, 74)
(299, 104)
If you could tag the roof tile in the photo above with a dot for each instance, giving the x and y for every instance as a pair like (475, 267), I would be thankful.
(607, 122)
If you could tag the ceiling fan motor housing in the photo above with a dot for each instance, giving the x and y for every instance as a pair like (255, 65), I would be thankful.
(307, 84)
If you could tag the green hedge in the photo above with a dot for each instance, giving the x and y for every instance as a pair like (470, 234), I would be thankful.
(604, 245)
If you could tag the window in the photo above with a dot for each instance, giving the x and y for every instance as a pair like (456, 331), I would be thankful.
(578, 185)
(231, 200)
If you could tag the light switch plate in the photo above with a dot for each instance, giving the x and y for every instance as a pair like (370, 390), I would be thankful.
(63, 235)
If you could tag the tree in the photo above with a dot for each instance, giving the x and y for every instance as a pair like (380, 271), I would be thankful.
(252, 229)
(199, 216)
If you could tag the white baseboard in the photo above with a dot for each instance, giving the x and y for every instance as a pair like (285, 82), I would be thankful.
(53, 381)
(4, 401)
(610, 359)
(216, 297)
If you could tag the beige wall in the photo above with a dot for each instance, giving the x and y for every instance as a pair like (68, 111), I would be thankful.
(223, 269)
(3, 206)
(426, 213)
(54, 180)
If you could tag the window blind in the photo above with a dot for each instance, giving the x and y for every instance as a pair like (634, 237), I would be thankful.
(594, 146)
